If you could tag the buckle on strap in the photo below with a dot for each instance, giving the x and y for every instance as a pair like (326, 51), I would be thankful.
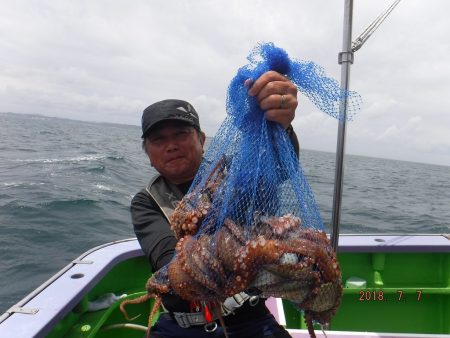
(234, 302)
(186, 320)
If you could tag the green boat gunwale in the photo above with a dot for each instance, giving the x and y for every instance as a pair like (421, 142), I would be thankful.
(387, 262)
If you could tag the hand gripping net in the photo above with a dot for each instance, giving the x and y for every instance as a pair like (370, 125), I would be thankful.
(250, 221)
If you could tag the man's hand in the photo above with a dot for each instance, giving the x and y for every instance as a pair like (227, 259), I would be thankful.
(276, 95)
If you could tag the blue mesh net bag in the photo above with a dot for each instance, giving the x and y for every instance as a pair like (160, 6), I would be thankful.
(250, 222)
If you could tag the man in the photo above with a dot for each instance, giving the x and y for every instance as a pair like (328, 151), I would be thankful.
(173, 141)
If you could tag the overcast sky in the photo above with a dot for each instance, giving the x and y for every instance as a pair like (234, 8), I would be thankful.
(108, 60)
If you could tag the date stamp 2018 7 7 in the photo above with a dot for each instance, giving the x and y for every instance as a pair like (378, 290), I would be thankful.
(380, 295)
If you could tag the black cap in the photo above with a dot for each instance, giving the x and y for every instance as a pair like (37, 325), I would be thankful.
(178, 110)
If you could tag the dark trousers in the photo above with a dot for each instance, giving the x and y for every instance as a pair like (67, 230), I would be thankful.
(261, 327)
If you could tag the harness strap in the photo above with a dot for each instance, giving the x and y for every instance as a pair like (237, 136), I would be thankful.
(185, 319)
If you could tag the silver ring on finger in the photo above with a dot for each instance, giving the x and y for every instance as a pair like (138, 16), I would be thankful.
(283, 101)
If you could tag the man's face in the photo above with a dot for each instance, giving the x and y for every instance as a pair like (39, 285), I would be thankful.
(175, 150)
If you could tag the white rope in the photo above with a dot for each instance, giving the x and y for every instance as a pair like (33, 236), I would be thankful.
(357, 44)
(323, 327)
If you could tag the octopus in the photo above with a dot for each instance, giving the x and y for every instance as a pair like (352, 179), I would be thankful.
(195, 206)
(277, 256)
(294, 263)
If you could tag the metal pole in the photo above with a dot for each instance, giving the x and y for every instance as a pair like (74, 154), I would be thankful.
(345, 60)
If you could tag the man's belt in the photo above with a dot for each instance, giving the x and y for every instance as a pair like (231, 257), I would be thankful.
(187, 319)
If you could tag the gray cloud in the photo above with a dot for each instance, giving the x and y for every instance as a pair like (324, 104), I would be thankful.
(108, 60)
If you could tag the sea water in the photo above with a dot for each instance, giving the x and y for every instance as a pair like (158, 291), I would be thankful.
(66, 186)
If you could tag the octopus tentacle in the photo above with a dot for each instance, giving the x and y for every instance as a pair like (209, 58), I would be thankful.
(141, 299)
(309, 325)
(207, 262)
(152, 314)
(250, 259)
(197, 266)
(229, 239)
(281, 226)
(319, 256)
(191, 211)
